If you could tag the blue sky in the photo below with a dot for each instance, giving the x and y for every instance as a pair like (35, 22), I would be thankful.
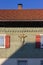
(27, 4)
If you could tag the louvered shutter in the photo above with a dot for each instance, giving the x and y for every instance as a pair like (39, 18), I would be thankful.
(38, 41)
(7, 41)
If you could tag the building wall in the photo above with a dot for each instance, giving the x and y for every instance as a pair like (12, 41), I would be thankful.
(30, 61)
(15, 42)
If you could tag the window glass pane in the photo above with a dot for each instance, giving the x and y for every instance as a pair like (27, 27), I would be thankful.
(1, 40)
(22, 62)
(41, 41)
(41, 62)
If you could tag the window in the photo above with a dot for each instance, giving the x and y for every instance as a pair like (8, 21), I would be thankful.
(41, 62)
(22, 62)
(4, 41)
(39, 41)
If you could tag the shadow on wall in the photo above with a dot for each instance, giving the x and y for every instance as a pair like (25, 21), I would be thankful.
(26, 51)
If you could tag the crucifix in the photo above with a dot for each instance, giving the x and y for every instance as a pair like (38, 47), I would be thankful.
(22, 37)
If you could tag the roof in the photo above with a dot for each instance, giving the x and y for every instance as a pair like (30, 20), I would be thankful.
(24, 14)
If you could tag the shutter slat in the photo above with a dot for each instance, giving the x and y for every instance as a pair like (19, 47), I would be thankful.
(7, 41)
(37, 41)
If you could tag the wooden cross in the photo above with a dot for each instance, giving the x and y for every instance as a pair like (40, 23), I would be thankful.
(22, 37)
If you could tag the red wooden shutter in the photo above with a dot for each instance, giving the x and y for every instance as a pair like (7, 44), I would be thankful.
(7, 41)
(38, 41)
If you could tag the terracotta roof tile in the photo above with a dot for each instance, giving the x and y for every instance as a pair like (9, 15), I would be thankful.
(32, 14)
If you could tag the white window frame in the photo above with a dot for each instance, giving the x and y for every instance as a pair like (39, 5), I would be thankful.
(4, 40)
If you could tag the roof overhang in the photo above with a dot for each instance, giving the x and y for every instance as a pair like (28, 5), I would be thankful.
(20, 20)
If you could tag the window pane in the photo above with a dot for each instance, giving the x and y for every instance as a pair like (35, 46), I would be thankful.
(22, 62)
(1, 40)
(42, 41)
(41, 62)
